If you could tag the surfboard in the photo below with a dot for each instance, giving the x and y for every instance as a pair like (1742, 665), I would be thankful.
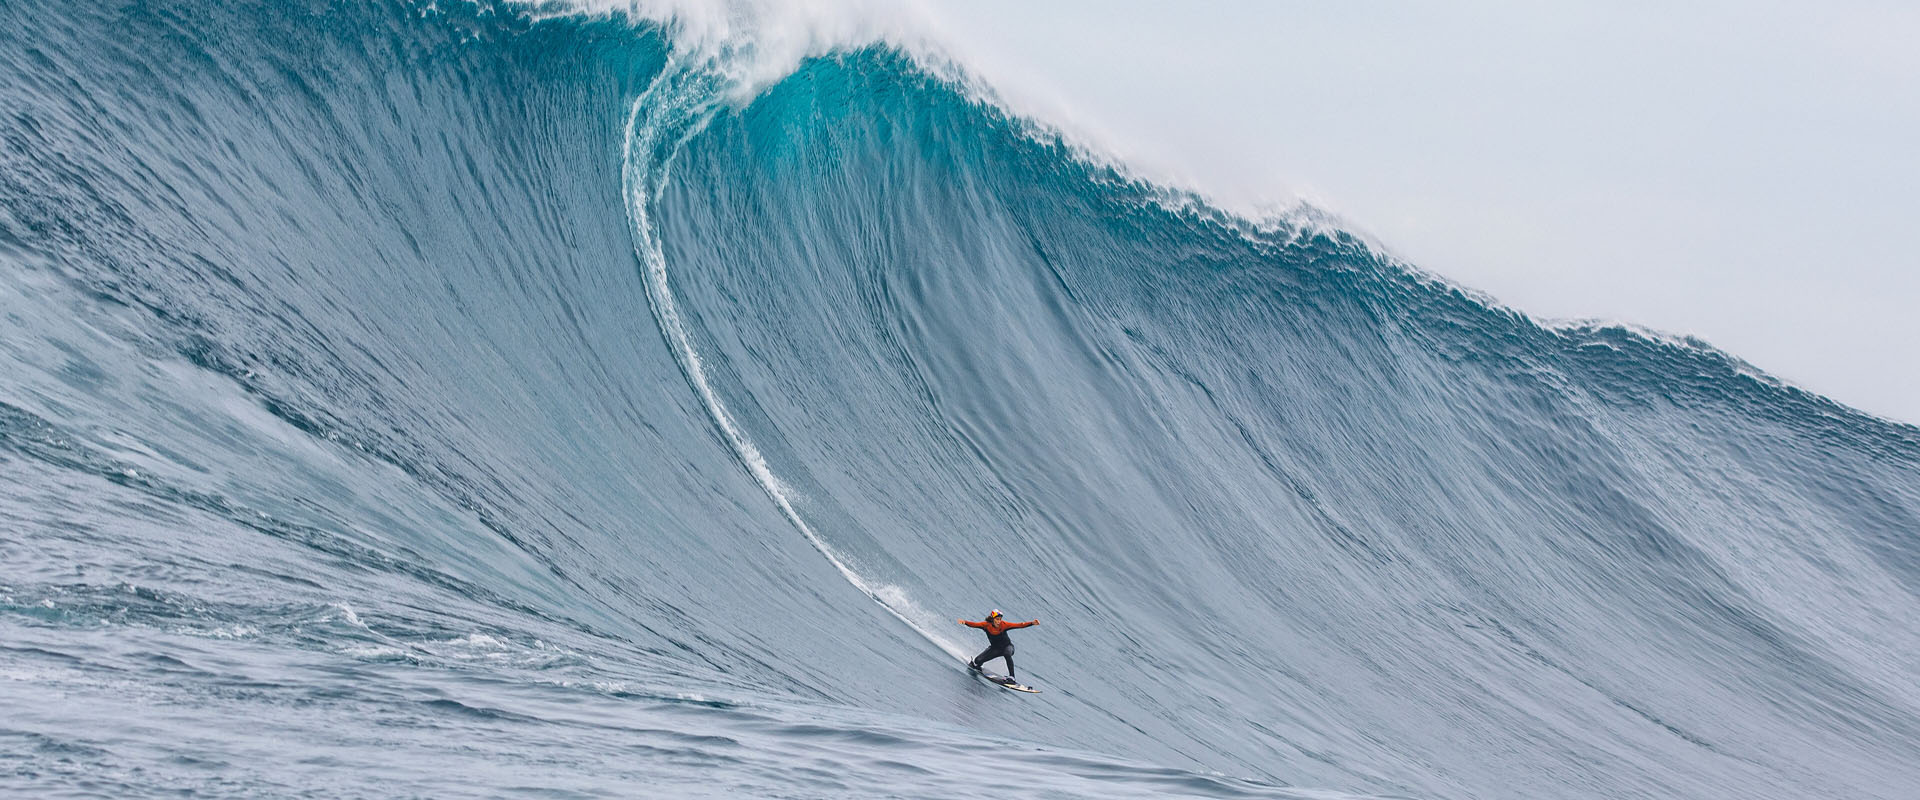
(1006, 682)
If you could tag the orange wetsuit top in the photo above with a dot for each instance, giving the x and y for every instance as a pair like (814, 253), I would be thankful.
(997, 628)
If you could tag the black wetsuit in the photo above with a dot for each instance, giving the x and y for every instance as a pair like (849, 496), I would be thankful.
(999, 645)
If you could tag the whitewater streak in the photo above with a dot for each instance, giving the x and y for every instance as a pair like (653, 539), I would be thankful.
(672, 110)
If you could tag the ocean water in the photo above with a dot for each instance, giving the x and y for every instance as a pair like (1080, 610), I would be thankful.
(406, 399)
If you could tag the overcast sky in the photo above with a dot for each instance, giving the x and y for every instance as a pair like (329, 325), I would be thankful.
(1743, 172)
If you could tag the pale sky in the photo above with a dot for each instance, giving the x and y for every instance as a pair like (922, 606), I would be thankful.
(1742, 172)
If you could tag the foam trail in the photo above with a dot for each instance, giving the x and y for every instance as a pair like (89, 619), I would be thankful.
(676, 107)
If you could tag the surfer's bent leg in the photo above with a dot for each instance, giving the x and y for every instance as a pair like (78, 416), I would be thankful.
(1008, 655)
(978, 660)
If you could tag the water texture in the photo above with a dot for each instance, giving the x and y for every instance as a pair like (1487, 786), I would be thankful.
(406, 400)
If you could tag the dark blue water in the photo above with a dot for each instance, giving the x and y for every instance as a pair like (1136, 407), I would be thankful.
(420, 401)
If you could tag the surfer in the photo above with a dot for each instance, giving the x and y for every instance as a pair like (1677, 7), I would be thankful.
(999, 645)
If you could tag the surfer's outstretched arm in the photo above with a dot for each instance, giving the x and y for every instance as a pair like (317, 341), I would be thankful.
(972, 624)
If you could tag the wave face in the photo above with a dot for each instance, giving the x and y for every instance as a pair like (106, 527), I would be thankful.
(415, 400)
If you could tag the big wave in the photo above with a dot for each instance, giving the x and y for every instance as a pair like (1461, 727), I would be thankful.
(484, 400)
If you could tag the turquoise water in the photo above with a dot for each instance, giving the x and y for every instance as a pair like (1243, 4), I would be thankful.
(402, 400)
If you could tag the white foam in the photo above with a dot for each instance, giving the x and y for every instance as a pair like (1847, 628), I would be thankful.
(235, 631)
(477, 641)
(373, 652)
(755, 43)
